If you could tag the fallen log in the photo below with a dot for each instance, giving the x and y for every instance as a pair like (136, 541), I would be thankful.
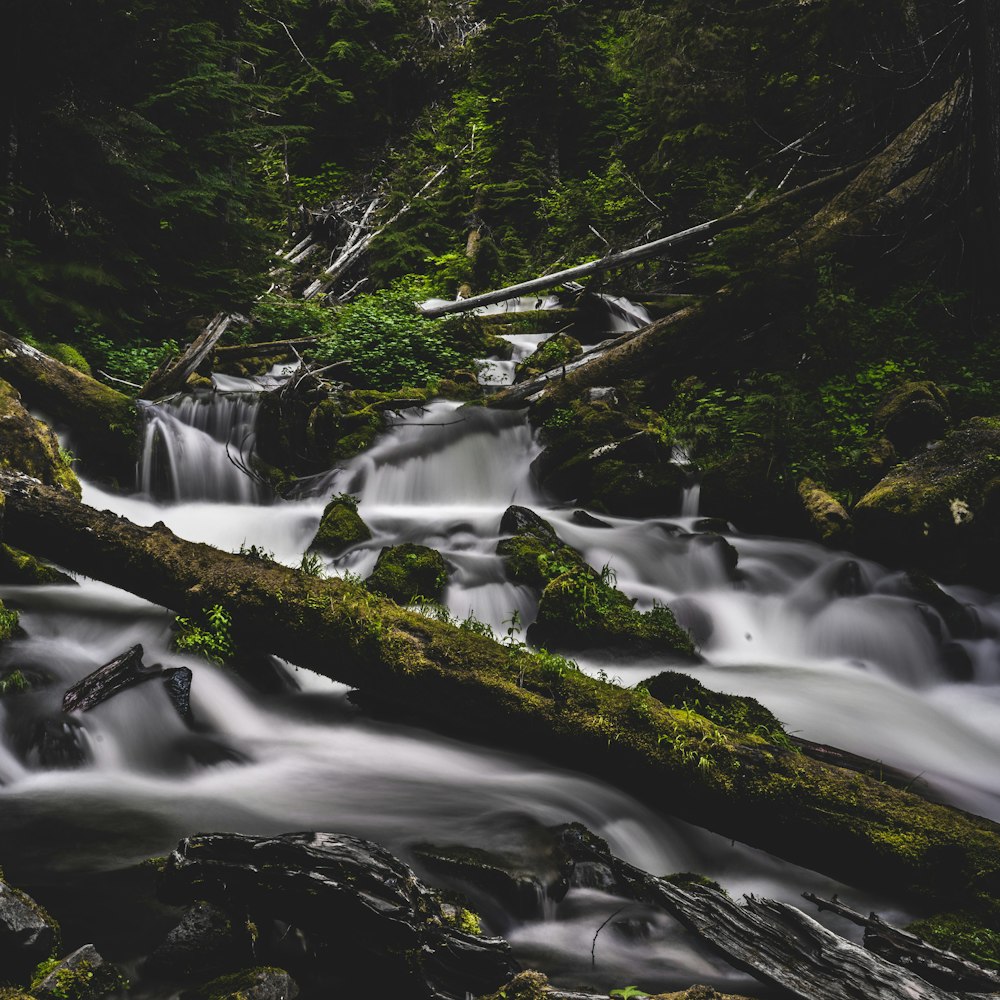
(942, 968)
(122, 672)
(236, 352)
(845, 824)
(172, 374)
(103, 420)
(776, 943)
(646, 251)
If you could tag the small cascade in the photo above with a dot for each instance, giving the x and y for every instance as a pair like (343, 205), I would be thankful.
(691, 500)
(193, 447)
(624, 315)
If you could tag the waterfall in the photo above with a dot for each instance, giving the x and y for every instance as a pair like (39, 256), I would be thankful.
(195, 447)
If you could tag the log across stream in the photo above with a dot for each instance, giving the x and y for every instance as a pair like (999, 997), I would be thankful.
(853, 666)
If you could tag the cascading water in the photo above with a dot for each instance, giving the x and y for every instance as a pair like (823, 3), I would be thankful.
(837, 647)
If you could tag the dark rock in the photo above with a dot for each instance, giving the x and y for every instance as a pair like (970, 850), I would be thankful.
(962, 620)
(28, 935)
(404, 572)
(588, 520)
(352, 905)
(604, 392)
(847, 580)
(83, 975)
(340, 528)
(522, 521)
(957, 662)
(56, 744)
(912, 415)
(177, 681)
(727, 554)
(717, 524)
(262, 983)
(207, 941)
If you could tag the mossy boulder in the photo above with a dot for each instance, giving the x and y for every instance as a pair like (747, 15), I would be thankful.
(29, 446)
(940, 510)
(9, 622)
(559, 349)
(912, 415)
(28, 935)
(261, 983)
(341, 527)
(828, 519)
(604, 454)
(22, 568)
(404, 572)
(83, 975)
(463, 385)
(579, 608)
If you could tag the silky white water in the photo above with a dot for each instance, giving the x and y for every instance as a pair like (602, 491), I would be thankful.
(833, 645)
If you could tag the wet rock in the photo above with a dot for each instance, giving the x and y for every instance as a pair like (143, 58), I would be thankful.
(262, 983)
(559, 349)
(829, 521)
(522, 521)
(205, 942)
(726, 552)
(177, 681)
(28, 935)
(940, 510)
(847, 580)
(404, 572)
(341, 527)
(579, 608)
(21, 568)
(957, 662)
(30, 447)
(56, 744)
(351, 905)
(962, 620)
(83, 975)
(912, 415)
(588, 520)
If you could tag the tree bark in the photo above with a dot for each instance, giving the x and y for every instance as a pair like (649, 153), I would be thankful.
(984, 29)
(102, 420)
(848, 825)
(173, 373)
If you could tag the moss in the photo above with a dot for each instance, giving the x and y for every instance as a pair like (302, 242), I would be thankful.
(524, 986)
(29, 446)
(340, 528)
(829, 521)
(559, 349)
(22, 568)
(462, 919)
(68, 355)
(9, 622)
(911, 415)
(404, 572)
(14, 993)
(14, 682)
(974, 935)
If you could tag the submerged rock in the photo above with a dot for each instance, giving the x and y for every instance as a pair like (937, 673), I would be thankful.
(404, 572)
(940, 511)
(341, 527)
(351, 907)
(30, 447)
(83, 975)
(28, 935)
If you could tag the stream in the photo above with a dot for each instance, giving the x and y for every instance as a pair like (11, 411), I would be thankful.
(832, 644)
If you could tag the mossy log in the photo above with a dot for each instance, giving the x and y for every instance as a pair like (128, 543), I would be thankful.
(848, 825)
(103, 420)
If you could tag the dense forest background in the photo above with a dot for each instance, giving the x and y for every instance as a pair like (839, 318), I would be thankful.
(155, 158)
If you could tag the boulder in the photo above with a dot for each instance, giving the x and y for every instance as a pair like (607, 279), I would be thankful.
(83, 975)
(341, 527)
(207, 941)
(262, 983)
(940, 510)
(912, 415)
(404, 572)
(29, 446)
(559, 349)
(350, 906)
(828, 520)
(28, 935)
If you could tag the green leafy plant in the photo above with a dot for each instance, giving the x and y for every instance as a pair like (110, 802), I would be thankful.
(311, 564)
(629, 993)
(257, 553)
(209, 636)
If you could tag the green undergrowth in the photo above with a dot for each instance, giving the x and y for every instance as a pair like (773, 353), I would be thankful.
(209, 635)
(973, 935)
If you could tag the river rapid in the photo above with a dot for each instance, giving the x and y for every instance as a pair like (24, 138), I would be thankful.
(832, 644)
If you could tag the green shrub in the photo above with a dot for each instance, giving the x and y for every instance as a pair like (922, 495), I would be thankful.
(209, 636)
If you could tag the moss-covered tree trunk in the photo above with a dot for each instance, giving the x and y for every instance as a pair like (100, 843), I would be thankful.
(744, 786)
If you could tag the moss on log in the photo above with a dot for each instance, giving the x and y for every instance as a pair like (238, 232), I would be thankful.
(103, 420)
(846, 824)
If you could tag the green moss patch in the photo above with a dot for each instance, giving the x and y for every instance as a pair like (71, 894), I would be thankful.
(406, 572)
(341, 527)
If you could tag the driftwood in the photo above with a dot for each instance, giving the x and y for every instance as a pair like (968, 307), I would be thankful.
(646, 251)
(942, 968)
(123, 672)
(776, 943)
(845, 824)
(353, 906)
(236, 352)
(173, 373)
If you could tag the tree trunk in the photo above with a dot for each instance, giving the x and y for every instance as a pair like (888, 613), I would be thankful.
(172, 374)
(845, 824)
(102, 421)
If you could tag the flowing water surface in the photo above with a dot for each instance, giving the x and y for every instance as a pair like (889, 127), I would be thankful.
(835, 646)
